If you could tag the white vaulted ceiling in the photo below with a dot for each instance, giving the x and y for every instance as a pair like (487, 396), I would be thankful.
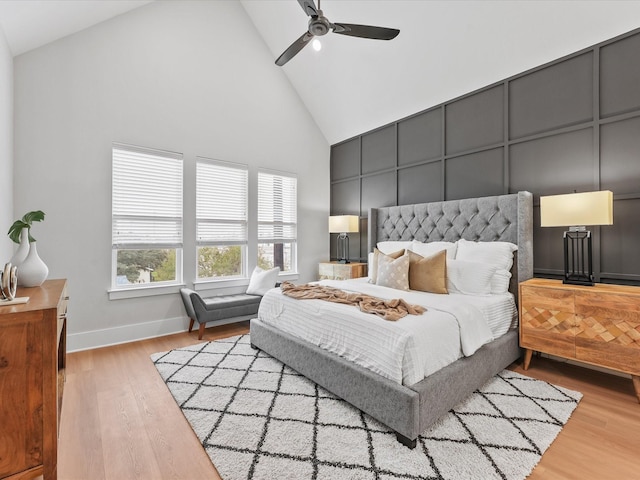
(445, 48)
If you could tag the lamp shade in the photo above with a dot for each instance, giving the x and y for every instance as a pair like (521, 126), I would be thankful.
(577, 209)
(343, 224)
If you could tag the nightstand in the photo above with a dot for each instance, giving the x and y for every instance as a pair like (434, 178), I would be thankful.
(599, 325)
(341, 271)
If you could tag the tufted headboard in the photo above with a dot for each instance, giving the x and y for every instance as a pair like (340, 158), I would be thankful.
(504, 218)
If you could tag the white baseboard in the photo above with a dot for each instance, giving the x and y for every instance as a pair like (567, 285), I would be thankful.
(138, 331)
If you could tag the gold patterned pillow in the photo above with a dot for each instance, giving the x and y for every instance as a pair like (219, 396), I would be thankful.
(428, 274)
(393, 272)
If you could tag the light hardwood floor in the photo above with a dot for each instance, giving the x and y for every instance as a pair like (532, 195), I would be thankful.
(119, 421)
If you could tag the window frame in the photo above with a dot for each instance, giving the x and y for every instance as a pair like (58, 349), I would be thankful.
(170, 240)
(283, 224)
(243, 223)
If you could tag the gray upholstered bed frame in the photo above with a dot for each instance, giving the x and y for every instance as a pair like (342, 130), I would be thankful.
(409, 410)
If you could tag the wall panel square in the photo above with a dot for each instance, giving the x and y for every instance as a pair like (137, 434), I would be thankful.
(620, 76)
(553, 165)
(420, 137)
(548, 247)
(475, 121)
(476, 175)
(378, 191)
(345, 198)
(420, 184)
(554, 97)
(620, 241)
(345, 160)
(379, 150)
(620, 156)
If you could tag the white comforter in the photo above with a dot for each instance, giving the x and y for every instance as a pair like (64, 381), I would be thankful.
(405, 351)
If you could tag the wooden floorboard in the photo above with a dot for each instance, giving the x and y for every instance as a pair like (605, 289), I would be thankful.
(120, 422)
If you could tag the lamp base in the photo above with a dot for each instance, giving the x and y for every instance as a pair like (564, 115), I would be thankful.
(343, 248)
(578, 263)
(579, 281)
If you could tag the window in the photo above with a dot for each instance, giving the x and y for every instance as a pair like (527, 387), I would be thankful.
(277, 221)
(221, 219)
(146, 206)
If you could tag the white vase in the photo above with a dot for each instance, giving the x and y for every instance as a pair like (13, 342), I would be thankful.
(23, 248)
(33, 271)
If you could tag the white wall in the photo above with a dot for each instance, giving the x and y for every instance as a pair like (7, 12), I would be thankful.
(190, 77)
(6, 149)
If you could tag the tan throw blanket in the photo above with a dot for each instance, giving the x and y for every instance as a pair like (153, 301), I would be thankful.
(392, 310)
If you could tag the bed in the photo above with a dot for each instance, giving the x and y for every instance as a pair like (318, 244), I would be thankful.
(409, 409)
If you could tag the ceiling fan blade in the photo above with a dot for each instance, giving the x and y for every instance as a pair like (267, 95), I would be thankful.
(365, 31)
(294, 48)
(309, 7)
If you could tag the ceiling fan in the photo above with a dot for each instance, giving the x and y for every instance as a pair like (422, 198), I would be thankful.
(320, 25)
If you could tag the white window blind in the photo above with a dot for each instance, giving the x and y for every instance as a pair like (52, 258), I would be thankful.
(277, 208)
(221, 203)
(146, 198)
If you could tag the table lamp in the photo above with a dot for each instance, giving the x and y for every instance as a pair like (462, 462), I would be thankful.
(576, 211)
(343, 224)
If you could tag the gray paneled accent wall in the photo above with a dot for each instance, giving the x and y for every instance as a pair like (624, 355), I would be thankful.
(570, 125)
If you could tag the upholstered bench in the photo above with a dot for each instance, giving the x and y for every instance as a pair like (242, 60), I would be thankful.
(218, 308)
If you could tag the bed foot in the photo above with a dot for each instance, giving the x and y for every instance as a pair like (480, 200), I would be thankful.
(407, 442)
(254, 347)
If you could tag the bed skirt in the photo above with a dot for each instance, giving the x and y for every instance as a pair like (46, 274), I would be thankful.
(406, 410)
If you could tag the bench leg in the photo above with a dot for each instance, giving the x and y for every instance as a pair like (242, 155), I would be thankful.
(191, 324)
(201, 330)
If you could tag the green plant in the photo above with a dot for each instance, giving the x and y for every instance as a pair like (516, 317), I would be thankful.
(25, 222)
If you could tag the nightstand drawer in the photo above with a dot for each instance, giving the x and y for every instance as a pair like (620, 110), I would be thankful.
(341, 271)
(547, 320)
(548, 298)
(608, 330)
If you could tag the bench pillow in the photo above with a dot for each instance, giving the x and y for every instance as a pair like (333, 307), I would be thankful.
(262, 280)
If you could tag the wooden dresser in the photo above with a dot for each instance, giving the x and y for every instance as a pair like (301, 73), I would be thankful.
(32, 362)
(599, 325)
(341, 271)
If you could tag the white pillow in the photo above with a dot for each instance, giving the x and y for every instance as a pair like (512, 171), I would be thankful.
(470, 278)
(498, 254)
(370, 272)
(431, 248)
(262, 280)
(393, 246)
(500, 282)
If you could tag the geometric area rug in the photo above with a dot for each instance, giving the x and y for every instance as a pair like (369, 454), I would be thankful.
(258, 419)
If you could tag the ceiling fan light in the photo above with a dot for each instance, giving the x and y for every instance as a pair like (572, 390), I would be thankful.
(317, 46)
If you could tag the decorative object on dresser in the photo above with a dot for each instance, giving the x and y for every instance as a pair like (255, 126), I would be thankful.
(576, 211)
(32, 271)
(256, 418)
(343, 224)
(32, 363)
(8, 283)
(23, 247)
(341, 271)
(599, 325)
